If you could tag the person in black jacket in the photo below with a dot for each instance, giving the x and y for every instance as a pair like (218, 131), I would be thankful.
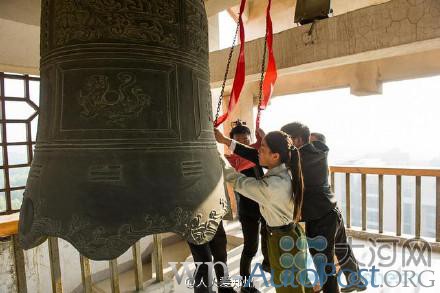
(320, 212)
(248, 210)
(213, 251)
(316, 136)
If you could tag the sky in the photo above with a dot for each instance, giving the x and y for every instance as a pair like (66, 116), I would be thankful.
(227, 29)
(402, 122)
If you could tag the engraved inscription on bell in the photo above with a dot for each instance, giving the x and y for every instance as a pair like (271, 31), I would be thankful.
(125, 146)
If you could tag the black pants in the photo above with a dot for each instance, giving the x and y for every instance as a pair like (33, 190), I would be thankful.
(332, 228)
(252, 228)
(216, 249)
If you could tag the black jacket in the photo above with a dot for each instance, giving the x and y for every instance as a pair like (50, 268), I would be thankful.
(246, 206)
(318, 198)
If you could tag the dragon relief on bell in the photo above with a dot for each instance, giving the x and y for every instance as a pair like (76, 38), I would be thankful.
(116, 105)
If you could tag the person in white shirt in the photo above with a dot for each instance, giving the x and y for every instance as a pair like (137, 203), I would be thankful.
(279, 194)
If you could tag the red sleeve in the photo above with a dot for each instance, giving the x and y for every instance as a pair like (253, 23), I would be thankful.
(256, 145)
(239, 163)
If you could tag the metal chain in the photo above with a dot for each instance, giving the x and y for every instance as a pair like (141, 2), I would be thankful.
(263, 64)
(231, 51)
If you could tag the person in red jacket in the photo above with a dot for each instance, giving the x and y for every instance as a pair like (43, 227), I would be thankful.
(252, 222)
(241, 133)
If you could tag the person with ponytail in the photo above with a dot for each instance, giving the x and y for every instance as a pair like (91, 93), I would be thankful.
(279, 194)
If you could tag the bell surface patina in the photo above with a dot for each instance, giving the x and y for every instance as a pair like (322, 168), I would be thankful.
(125, 146)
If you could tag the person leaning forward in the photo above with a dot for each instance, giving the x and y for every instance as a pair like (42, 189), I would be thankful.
(279, 194)
(319, 212)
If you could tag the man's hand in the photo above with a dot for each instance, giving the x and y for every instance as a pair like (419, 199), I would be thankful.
(220, 138)
(259, 134)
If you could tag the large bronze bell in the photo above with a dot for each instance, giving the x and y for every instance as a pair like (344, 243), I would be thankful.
(125, 146)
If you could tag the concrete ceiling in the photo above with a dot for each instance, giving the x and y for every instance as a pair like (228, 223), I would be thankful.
(28, 11)
(215, 6)
(25, 11)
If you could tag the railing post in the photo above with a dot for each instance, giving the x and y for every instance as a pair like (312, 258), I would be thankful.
(157, 256)
(86, 275)
(347, 200)
(137, 261)
(381, 203)
(398, 205)
(19, 265)
(332, 181)
(364, 202)
(114, 275)
(55, 268)
(437, 202)
(418, 205)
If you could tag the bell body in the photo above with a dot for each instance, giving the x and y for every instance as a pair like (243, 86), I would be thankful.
(125, 146)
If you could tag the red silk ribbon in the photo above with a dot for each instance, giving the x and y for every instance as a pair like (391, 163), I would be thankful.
(239, 78)
(271, 74)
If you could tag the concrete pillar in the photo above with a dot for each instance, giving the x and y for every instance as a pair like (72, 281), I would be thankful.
(243, 111)
(365, 80)
(19, 52)
(214, 33)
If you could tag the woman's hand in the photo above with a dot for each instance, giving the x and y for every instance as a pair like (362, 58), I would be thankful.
(220, 138)
(222, 161)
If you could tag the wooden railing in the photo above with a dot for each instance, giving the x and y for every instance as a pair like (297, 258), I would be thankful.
(9, 229)
(398, 173)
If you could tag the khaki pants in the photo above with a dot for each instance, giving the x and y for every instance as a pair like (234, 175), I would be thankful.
(287, 259)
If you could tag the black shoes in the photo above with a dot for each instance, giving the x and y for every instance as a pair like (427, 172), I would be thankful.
(226, 290)
(266, 267)
(249, 290)
(356, 287)
(354, 284)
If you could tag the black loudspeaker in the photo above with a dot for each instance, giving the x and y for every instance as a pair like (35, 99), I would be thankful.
(308, 11)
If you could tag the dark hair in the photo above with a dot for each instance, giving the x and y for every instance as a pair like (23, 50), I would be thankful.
(319, 136)
(239, 128)
(297, 129)
(280, 142)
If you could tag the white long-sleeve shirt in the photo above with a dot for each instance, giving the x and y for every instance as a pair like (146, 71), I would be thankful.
(273, 193)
